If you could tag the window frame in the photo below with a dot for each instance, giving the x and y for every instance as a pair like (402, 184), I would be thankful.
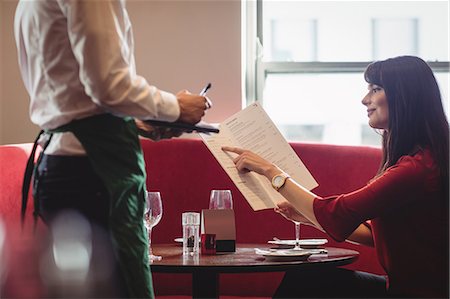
(256, 70)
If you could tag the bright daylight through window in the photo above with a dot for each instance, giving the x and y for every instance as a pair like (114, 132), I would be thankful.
(305, 60)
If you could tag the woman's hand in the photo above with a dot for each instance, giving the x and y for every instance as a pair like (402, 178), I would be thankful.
(288, 211)
(249, 161)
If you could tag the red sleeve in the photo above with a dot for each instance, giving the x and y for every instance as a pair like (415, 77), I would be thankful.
(340, 215)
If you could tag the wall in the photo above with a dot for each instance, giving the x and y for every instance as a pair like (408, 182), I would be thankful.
(179, 45)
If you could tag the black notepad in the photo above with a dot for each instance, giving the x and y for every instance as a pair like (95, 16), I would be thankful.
(201, 127)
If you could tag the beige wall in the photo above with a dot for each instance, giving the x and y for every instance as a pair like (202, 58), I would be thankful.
(14, 122)
(179, 44)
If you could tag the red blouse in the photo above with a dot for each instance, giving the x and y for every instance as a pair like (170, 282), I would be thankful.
(408, 215)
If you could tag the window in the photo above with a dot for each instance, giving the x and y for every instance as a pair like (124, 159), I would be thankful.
(305, 60)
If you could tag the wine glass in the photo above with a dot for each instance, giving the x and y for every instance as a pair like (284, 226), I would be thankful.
(297, 235)
(152, 216)
(220, 199)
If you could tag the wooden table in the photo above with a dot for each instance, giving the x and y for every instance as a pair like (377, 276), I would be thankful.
(205, 269)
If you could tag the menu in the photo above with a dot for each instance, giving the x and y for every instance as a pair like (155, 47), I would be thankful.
(252, 129)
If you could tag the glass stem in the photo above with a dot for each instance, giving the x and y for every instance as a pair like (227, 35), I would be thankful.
(150, 242)
(297, 235)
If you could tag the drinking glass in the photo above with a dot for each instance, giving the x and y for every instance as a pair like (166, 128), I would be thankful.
(152, 216)
(297, 236)
(220, 199)
(191, 237)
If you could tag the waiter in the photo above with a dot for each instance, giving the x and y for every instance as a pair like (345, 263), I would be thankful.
(77, 63)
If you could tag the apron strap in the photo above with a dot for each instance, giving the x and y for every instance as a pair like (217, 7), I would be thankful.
(27, 178)
(29, 170)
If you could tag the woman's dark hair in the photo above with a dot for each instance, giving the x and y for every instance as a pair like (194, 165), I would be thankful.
(416, 115)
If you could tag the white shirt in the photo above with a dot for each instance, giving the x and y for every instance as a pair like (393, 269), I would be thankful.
(77, 59)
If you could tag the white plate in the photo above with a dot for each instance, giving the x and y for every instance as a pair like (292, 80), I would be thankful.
(305, 243)
(285, 255)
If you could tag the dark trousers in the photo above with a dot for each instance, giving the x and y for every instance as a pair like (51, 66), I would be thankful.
(65, 185)
(69, 182)
(331, 283)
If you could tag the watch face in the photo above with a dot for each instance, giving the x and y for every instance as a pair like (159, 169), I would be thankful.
(278, 180)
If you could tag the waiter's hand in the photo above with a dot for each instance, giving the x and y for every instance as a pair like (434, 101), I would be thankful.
(156, 133)
(192, 106)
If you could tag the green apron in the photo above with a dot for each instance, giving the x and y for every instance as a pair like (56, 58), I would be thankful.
(113, 148)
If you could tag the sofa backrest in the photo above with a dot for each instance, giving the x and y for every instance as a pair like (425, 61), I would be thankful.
(185, 172)
(13, 159)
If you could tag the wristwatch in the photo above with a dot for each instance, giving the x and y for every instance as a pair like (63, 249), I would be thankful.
(279, 180)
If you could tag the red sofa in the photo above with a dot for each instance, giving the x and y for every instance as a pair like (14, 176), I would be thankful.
(185, 172)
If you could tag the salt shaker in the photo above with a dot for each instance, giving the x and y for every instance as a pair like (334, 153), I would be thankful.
(191, 233)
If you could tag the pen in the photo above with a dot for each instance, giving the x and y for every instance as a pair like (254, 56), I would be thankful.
(203, 93)
(205, 89)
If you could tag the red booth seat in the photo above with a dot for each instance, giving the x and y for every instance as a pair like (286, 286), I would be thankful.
(185, 172)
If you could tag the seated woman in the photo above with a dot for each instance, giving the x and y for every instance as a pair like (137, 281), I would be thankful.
(402, 211)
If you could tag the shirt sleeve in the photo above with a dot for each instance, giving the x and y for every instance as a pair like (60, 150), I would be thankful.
(340, 215)
(101, 38)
